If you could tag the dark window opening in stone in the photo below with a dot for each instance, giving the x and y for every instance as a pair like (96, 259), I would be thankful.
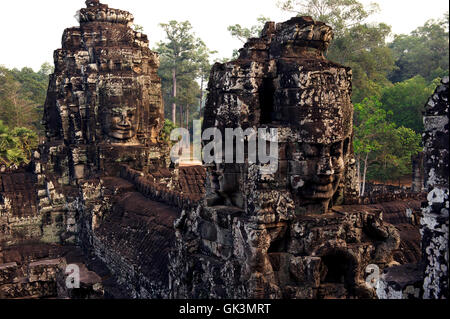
(338, 268)
(266, 98)
(337, 150)
(278, 245)
(57, 164)
(71, 166)
(47, 219)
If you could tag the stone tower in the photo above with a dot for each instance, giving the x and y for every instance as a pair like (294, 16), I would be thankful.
(103, 111)
(102, 116)
(104, 102)
(435, 220)
(283, 81)
(281, 234)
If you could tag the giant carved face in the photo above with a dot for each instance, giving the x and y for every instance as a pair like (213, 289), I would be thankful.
(320, 155)
(321, 150)
(318, 171)
(120, 118)
(121, 123)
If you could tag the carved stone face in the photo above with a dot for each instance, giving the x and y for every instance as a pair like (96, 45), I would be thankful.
(225, 184)
(119, 119)
(317, 172)
(122, 123)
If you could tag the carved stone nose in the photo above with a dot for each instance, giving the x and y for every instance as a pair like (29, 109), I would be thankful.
(124, 120)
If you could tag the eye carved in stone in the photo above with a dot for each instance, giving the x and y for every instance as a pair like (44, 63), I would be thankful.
(336, 149)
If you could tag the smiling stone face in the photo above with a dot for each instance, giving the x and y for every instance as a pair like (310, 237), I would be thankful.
(121, 123)
(317, 170)
(119, 113)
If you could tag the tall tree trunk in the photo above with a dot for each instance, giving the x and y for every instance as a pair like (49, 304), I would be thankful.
(364, 174)
(358, 172)
(174, 95)
(18, 111)
(201, 96)
(181, 116)
(187, 117)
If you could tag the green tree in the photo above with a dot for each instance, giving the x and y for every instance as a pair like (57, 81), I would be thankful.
(393, 160)
(363, 48)
(370, 130)
(383, 150)
(18, 108)
(45, 70)
(189, 96)
(22, 95)
(357, 44)
(244, 33)
(34, 84)
(168, 127)
(424, 52)
(6, 107)
(138, 28)
(406, 101)
(16, 145)
(182, 55)
(204, 70)
(339, 14)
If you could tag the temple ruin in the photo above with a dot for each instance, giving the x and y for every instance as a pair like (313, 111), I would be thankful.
(101, 192)
(283, 235)
(434, 222)
(427, 278)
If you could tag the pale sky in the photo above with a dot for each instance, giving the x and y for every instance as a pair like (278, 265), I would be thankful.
(30, 30)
